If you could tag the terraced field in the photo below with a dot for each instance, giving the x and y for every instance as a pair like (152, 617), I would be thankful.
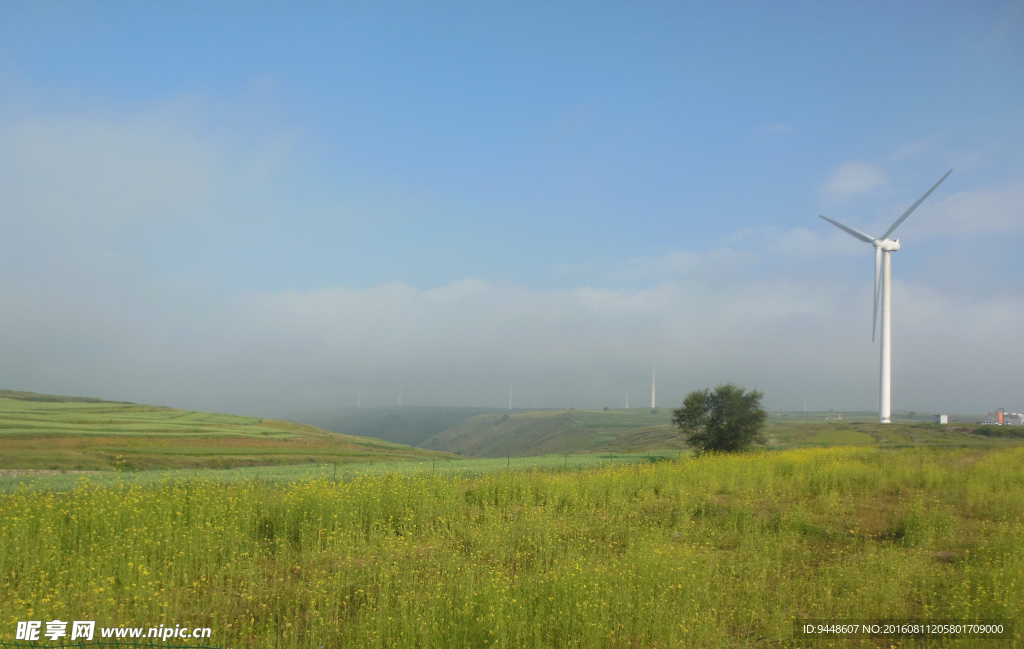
(68, 433)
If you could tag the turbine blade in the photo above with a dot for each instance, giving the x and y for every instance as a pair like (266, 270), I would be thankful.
(914, 206)
(845, 228)
(878, 277)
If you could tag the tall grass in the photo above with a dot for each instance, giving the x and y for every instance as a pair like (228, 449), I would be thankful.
(720, 551)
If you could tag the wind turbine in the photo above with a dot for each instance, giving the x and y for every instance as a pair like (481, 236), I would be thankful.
(884, 248)
(654, 385)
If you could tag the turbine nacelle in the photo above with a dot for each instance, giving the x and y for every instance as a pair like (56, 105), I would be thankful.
(886, 244)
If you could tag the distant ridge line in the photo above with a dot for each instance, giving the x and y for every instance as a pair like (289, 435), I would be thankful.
(18, 395)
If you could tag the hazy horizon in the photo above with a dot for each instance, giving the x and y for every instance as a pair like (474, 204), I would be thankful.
(268, 211)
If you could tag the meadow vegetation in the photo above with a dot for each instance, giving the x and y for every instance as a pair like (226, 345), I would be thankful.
(716, 551)
(1001, 431)
(14, 480)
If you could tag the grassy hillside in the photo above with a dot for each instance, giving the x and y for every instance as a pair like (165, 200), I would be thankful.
(410, 425)
(50, 398)
(68, 433)
(641, 430)
(558, 431)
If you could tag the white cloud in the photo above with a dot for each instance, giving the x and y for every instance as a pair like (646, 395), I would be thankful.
(852, 178)
(826, 241)
(91, 170)
(993, 210)
(914, 149)
(797, 335)
(719, 262)
(151, 169)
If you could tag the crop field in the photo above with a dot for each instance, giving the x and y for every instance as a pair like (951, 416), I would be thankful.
(715, 551)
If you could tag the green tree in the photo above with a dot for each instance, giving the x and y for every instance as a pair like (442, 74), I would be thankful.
(728, 419)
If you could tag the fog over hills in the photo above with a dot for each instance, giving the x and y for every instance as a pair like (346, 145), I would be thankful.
(559, 431)
(481, 432)
(410, 425)
(278, 211)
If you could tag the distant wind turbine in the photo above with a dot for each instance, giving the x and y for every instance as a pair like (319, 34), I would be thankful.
(399, 394)
(510, 397)
(654, 384)
(884, 247)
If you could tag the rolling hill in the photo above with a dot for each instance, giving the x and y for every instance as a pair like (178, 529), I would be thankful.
(76, 433)
(410, 425)
(641, 430)
(559, 431)
(40, 431)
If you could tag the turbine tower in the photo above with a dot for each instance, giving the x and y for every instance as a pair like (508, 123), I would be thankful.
(884, 247)
(654, 384)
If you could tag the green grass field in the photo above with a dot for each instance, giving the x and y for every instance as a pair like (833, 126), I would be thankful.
(841, 437)
(786, 434)
(718, 551)
(64, 433)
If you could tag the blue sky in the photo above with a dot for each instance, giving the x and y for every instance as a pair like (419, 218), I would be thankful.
(262, 208)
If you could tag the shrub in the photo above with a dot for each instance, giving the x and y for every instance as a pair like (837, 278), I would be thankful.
(1000, 431)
